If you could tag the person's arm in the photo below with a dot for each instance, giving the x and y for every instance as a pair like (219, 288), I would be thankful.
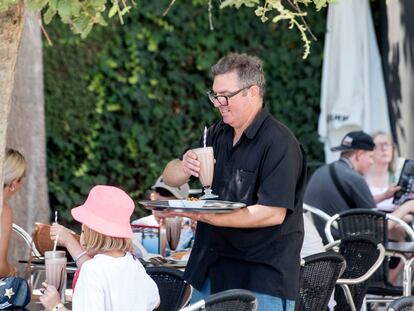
(67, 240)
(178, 172)
(253, 216)
(6, 229)
(389, 193)
(402, 211)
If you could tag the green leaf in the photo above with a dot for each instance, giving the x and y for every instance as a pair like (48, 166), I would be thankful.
(34, 5)
(47, 17)
(76, 7)
(65, 8)
(113, 10)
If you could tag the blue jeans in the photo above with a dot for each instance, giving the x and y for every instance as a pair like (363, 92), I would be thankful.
(266, 302)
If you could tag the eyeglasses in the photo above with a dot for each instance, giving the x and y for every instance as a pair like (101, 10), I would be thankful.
(383, 146)
(223, 100)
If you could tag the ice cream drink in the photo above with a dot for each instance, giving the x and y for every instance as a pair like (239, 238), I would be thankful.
(55, 262)
(205, 156)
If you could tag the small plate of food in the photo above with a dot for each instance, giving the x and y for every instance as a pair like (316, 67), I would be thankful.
(180, 257)
(193, 203)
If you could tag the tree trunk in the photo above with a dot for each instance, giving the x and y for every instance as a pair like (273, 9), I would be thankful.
(26, 133)
(398, 61)
(11, 25)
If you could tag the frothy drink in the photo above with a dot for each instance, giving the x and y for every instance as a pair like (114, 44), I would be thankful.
(206, 157)
(55, 263)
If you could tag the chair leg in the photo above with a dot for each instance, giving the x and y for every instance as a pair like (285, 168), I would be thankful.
(348, 296)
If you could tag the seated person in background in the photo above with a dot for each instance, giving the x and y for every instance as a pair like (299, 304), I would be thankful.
(349, 189)
(14, 168)
(356, 159)
(161, 191)
(112, 279)
(381, 176)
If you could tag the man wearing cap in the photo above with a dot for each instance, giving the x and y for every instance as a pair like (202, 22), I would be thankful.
(340, 186)
(161, 191)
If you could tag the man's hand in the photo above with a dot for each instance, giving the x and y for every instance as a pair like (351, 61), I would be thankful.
(191, 166)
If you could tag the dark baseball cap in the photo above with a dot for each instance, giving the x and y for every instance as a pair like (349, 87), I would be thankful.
(355, 140)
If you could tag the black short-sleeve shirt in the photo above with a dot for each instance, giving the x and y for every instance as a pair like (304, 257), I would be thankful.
(267, 166)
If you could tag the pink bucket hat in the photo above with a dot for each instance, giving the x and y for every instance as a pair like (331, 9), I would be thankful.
(107, 210)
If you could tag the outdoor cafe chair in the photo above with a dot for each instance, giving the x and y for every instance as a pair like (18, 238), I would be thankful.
(402, 304)
(374, 225)
(27, 239)
(35, 271)
(363, 257)
(316, 212)
(317, 215)
(228, 300)
(174, 291)
(318, 275)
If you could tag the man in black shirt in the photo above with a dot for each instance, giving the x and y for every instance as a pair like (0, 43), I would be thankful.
(258, 162)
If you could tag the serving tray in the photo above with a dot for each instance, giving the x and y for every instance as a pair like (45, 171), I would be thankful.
(210, 206)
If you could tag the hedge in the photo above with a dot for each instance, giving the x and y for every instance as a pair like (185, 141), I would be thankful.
(123, 102)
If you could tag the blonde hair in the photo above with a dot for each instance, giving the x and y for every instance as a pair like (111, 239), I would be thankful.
(392, 165)
(98, 242)
(14, 166)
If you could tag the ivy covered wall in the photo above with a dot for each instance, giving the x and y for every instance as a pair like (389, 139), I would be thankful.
(122, 103)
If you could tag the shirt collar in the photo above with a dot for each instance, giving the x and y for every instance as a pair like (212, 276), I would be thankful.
(347, 162)
(254, 127)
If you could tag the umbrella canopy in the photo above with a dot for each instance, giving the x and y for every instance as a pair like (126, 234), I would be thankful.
(353, 92)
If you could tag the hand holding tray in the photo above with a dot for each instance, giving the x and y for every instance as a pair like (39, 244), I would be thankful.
(187, 206)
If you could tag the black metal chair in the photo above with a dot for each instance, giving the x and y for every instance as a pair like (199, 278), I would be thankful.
(374, 225)
(363, 257)
(402, 304)
(174, 291)
(319, 273)
(229, 300)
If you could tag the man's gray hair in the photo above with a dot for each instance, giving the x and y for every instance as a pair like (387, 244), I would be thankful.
(248, 68)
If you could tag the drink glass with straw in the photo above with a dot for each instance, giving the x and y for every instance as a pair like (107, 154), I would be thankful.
(57, 235)
(205, 156)
(55, 262)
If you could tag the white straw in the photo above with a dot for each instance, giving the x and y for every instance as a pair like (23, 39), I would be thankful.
(54, 245)
(205, 136)
(57, 236)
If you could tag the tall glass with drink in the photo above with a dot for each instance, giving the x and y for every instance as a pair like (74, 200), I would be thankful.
(205, 156)
(55, 262)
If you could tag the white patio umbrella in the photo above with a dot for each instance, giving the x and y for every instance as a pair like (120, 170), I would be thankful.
(353, 92)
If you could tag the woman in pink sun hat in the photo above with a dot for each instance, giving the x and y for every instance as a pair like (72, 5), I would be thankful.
(112, 280)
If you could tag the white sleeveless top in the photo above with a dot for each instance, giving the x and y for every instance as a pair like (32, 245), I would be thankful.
(385, 205)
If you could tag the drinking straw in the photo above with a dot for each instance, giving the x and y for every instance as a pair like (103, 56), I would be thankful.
(54, 245)
(205, 136)
(57, 236)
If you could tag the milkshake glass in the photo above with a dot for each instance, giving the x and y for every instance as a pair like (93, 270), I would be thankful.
(205, 156)
(55, 262)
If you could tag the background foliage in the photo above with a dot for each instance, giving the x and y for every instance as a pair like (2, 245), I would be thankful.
(123, 102)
